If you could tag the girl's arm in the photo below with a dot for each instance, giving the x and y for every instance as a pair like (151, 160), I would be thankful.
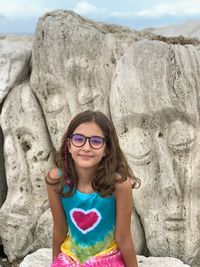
(60, 229)
(123, 193)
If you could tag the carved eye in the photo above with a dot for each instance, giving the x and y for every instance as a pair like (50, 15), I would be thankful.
(181, 136)
(138, 146)
(25, 141)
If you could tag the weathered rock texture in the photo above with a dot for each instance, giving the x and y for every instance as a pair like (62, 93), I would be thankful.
(73, 67)
(27, 151)
(154, 104)
(3, 184)
(15, 54)
(150, 89)
(42, 258)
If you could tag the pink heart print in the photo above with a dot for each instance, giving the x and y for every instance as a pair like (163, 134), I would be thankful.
(85, 221)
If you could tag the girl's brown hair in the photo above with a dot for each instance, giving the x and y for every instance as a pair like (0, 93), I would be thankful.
(112, 168)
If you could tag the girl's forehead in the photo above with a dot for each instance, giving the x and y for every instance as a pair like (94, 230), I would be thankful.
(89, 128)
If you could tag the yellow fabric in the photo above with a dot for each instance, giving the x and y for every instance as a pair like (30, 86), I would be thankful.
(113, 246)
(66, 249)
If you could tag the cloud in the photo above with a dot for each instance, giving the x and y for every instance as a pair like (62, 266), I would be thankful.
(84, 8)
(22, 8)
(2, 16)
(176, 8)
(119, 14)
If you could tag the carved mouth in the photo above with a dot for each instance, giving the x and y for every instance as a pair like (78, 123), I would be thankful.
(140, 159)
(174, 223)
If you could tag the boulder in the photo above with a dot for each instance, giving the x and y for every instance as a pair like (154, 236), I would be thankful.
(15, 54)
(154, 103)
(28, 157)
(73, 66)
(42, 258)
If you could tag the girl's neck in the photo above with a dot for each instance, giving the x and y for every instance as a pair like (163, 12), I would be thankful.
(85, 177)
(85, 181)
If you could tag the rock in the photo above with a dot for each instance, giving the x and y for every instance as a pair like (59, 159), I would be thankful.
(42, 258)
(73, 67)
(28, 157)
(15, 54)
(154, 103)
(189, 29)
(159, 262)
(3, 185)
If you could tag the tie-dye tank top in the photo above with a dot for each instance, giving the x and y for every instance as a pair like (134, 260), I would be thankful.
(91, 224)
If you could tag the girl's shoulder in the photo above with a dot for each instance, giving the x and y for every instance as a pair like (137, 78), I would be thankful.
(53, 177)
(122, 184)
(123, 191)
(55, 173)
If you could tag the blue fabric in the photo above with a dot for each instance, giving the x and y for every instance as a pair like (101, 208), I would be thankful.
(90, 217)
(91, 223)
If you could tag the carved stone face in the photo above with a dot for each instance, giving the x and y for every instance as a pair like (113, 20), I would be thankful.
(27, 159)
(74, 75)
(159, 130)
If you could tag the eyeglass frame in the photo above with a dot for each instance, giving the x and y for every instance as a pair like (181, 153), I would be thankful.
(89, 139)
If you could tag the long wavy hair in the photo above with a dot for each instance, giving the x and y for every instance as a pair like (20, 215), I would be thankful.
(112, 168)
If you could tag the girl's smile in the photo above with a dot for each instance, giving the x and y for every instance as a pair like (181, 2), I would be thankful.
(85, 156)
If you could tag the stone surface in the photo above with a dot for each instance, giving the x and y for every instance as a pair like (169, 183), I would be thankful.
(15, 55)
(73, 68)
(159, 262)
(42, 258)
(189, 29)
(27, 151)
(3, 185)
(154, 103)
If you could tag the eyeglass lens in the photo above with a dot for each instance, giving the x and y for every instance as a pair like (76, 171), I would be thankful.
(79, 140)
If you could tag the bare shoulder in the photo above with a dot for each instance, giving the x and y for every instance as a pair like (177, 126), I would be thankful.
(53, 177)
(55, 173)
(123, 187)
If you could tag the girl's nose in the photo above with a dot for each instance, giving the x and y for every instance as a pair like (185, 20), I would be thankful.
(87, 146)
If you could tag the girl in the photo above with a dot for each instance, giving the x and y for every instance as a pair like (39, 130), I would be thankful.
(90, 195)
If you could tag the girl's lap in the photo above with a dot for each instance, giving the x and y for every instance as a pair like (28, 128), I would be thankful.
(108, 260)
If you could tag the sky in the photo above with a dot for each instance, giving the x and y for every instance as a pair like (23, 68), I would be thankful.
(21, 16)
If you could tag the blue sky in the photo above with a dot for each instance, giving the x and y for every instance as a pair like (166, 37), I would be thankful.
(21, 16)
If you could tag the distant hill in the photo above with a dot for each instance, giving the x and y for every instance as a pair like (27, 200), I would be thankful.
(189, 29)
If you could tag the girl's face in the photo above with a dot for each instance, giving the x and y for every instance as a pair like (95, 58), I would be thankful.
(87, 155)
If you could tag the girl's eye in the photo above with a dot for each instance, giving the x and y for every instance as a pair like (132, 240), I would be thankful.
(78, 138)
(96, 140)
